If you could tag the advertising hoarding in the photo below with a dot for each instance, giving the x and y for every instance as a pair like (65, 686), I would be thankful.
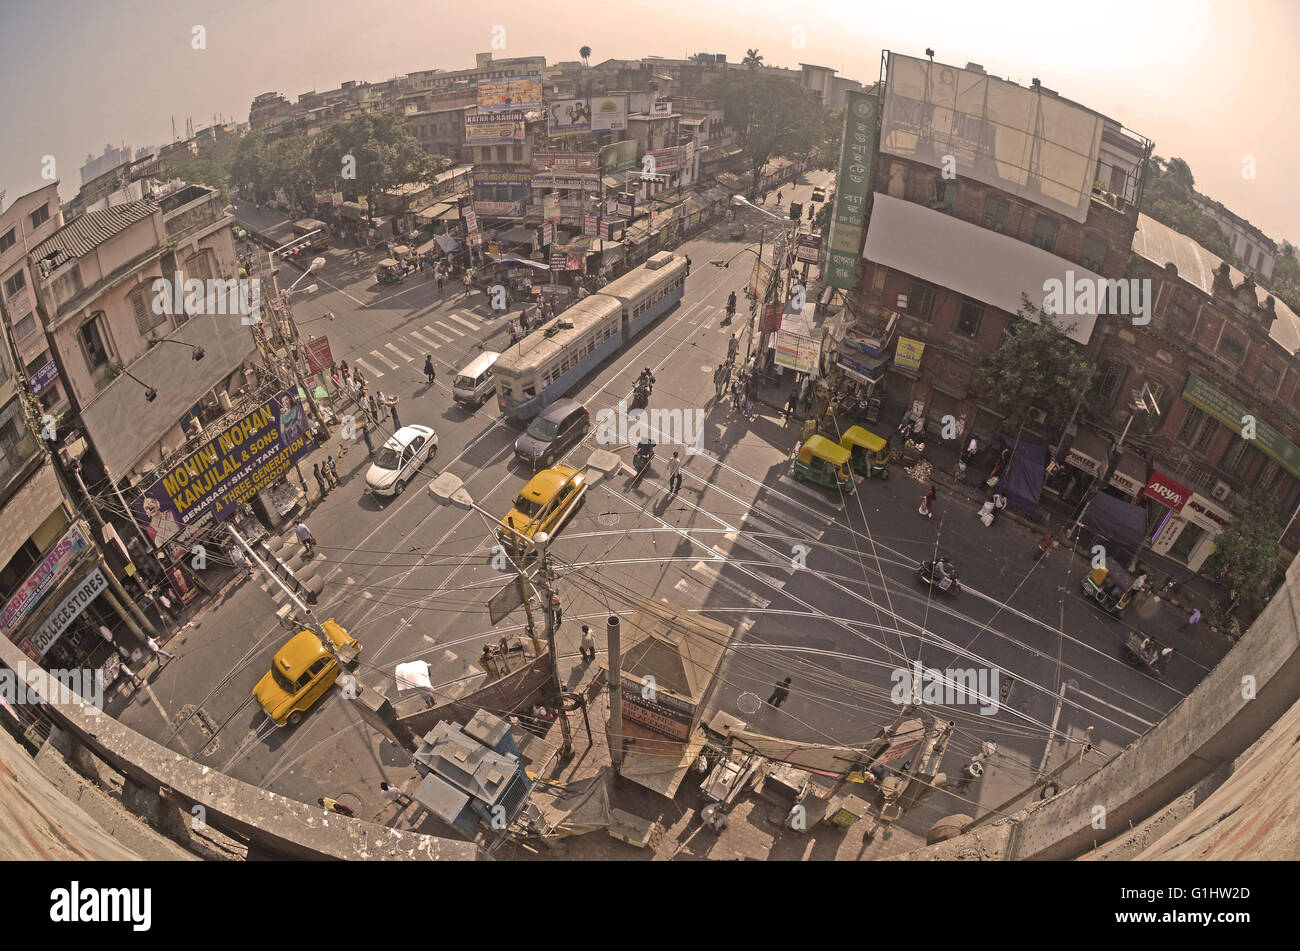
(509, 94)
(665, 713)
(618, 157)
(42, 639)
(500, 128)
(810, 248)
(666, 160)
(318, 354)
(229, 469)
(568, 117)
(565, 169)
(661, 109)
(849, 211)
(42, 578)
(1168, 492)
(908, 353)
(41, 380)
(608, 113)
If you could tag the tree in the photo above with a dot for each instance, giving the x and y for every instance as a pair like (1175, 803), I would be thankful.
(1036, 365)
(585, 53)
(1245, 551)
(774, 115)
(378, 149)
(1167, 198)
(752, 59)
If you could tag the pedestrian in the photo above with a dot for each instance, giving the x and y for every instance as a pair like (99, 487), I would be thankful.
(333, 468)
(346, 371)
(365, 435)
(467, 280)
(238, 560)
(392, 411)
(780, 694)
(791, 405)
(1193, 618)
(320, 480)
(688, 265)
(588, 646)
(719, 380)
(130, 673)
(927, 504)
(306, 537)
(393, 794)
(157, 650)
(334, 375)
(1162, 659)
(674, 474)
(356, 257)
(439, 278)
(429, 373)
(1044, 546)
(376, 403)
(333, 805)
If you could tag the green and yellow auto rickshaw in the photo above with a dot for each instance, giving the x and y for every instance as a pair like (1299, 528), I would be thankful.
(870, 454)
(823, 462)
(389, 271)
(1111, 588)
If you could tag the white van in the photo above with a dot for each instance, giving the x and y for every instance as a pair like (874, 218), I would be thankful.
(475, 383)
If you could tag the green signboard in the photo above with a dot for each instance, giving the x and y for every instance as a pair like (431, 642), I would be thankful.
(1231, 413)
(852, 187)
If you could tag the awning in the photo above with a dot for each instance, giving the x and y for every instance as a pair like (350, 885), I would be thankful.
(433, 212)
(1130, 476)
(446, 242)
(533, 264)
(1088, 452)
(974, 261)
(1022, 483)
(1119, 522)
(609, 181)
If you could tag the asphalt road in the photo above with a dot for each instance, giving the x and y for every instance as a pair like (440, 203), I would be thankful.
(820, 588)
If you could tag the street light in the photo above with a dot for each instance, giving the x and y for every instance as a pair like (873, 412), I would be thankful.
(195, 356)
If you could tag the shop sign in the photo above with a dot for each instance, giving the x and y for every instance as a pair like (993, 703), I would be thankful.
(1126, 484)
(42, 378)
(318, 353)
(1231, 413)
(907, 353)
(42, 639)
(1167, 492)
(42, 578)
(810, 248)
(664, 714)
(589, 225)
(853, 186)
(1201, 511)
(558, 260)
(1080, 461)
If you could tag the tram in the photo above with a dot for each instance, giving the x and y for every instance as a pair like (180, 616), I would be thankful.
(551, 359)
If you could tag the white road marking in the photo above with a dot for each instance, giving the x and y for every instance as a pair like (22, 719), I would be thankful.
(822, 497)
(379, 356)
(424, 340)
(401, 353)
(463, 322)
(458, 333)
(368, 368)
(443, 337)
(711, 572)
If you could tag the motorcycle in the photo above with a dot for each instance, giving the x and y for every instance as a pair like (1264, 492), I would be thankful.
(641, 392)
(943, 582)
(645, 454)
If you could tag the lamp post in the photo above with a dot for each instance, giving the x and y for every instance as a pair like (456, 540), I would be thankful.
(289, 329)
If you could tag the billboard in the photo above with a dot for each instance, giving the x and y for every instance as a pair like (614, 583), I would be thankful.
(511, 93)
(318, 354)
(568, 117)
(608, 113)
(665, 161)
(1025, 141)
(565, 169)
(849, 211)
(908, 353)
(662, 109)
(42, 578)
(228, 470)
(38, 644)
(810, 248)
(617, 157)
(494, 128)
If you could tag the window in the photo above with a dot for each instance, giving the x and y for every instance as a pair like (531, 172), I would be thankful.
(1106, 387)
(1094, 253)
(1231, 348)
(943, 196)
(518, 153)
(8, 240)
(1198, 430)
(501, 153)
(40, 215)
(996, 211)
(15, 283)
(1269, 378)
(969, 318)
(1045, 228)
(1269, 478)
(9, 441)
(25, 327)
(142, 306)
(92, 341)
(920, 299)
(1237, 460)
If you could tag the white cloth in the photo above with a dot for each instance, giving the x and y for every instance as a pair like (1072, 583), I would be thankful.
(674, 466)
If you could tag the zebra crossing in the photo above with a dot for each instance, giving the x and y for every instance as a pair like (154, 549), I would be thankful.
(408, 346)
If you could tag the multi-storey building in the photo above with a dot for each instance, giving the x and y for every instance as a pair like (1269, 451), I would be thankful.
(1255, 250)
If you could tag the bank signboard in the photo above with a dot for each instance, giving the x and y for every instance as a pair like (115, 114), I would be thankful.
(852, 188)
(1234, 415)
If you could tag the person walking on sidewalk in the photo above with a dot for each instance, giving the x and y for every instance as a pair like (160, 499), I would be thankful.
(320, 480)
(791, 405)
(157, 650)
(780, 694)
(674, 474)
(588, 647)
(393, 794)
(927, 504)
(1192, 619)
(719, 380)
(240, 563)
(430, 374)
(306, 537)
(333, 805)
(1044, 546)
(130, 673)
(333, 466)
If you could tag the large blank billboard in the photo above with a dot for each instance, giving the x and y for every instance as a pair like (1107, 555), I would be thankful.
(1024, 141)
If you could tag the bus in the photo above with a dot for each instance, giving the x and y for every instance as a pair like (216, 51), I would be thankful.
(550, 360)
(305, 226)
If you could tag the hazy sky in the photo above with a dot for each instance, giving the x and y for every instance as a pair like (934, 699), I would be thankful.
(1211, 81)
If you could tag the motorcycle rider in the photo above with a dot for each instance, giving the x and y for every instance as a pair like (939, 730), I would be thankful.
(646, 379)
(645, 451)
(943, 568)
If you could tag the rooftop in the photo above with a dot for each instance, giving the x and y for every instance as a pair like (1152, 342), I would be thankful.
(84, 234)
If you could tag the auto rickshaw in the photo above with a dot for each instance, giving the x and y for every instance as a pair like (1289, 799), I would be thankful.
(401, 253)
(823, 462)
(870, 454)
(1110, 588)
(389, 271)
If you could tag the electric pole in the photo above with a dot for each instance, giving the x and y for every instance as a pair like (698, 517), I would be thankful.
(551, 605)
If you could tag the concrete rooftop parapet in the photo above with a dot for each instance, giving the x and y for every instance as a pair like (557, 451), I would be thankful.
(267, 821)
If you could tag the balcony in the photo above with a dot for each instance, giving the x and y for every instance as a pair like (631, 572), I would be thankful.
(190, 211)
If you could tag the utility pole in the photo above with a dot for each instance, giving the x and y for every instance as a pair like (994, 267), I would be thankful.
(1143, 402)
(550, 604)
(615, 645)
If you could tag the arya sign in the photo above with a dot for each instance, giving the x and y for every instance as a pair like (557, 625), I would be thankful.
(1167, 492)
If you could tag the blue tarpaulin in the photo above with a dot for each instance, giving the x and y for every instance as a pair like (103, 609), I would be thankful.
(1121, 523)
(1022, 483)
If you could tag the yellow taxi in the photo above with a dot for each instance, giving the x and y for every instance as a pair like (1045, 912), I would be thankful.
(301, 673)
(544, 505)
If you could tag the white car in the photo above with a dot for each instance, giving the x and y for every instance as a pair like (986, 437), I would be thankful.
(400, 458)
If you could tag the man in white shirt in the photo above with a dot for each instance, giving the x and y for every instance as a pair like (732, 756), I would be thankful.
(674, 474)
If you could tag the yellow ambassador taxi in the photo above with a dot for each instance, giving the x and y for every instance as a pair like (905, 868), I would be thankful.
(302, 671)
(544, 505)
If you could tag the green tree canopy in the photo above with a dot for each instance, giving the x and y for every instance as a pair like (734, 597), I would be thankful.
(1167, 197)
(752, 59)
(1036, 365)
(1245, 552)
(585, 53)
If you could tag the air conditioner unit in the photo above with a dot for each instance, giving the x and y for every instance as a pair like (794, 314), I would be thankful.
(1037, 415)
(1221, 491)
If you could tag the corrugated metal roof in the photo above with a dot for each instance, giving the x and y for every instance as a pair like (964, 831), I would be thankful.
(1162, 245)
(82, 235)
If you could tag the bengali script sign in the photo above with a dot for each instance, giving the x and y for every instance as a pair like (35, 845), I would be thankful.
(849, 211)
